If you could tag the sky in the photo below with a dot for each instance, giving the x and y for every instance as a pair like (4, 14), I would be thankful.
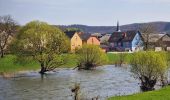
(86, 12)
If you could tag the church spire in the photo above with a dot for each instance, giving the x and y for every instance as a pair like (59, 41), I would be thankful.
(118, 27)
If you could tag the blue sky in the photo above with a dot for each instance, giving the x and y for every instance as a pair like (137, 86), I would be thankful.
(87, 12)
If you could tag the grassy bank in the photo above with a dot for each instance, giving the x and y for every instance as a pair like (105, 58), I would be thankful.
(11, 63)
(114, 58)
(162, 94)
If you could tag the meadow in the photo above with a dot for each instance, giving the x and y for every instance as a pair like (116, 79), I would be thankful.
(162, 94)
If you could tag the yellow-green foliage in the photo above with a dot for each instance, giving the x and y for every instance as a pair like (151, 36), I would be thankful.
(149, 63)
(91, 54)
(45, 43)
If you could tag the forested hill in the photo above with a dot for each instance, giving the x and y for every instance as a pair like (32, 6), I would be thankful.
(160, 26)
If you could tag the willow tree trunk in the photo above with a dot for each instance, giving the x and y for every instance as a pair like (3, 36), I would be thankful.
(43, 69)
(147, 84)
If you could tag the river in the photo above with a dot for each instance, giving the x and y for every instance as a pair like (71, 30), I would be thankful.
(103, 82)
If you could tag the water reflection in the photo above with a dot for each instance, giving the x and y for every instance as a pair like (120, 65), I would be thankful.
(103, 82)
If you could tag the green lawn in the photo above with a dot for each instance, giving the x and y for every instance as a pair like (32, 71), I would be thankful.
(10, 63)
(113, 58)
(163, 94)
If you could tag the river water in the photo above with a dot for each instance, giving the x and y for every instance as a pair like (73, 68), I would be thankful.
(103, 82)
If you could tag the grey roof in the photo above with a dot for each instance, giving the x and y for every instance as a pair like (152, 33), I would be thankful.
(122, 36)
(96, 34)
(85, 36)
(154, 37)
(105, 38)
(70, 33)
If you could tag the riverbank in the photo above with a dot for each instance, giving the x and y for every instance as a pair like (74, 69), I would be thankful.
(10, 63)
(162, 94)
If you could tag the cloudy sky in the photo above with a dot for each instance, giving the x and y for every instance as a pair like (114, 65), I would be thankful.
(87, 12)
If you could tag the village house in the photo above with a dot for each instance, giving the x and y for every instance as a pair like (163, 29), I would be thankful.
(89, 39)
(104, 44)
(151, 40)
(104, 39)
(77, 39)
(163, 43)
(125, 41)
(158, 42)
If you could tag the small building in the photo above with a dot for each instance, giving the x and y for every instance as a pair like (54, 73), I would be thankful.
(89, 39)
(75, 40)
(126, 41)
(157, 42)
(151, 40)
(104, 39)
(164, 42)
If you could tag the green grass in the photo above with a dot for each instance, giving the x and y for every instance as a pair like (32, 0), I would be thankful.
(163, 94)
(113, 58)
(71, 61)
(10, 64)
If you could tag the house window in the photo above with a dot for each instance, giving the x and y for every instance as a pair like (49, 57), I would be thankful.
(127, 44)
(137, 43)
(92, 41)
(137, 38)
(119, 44)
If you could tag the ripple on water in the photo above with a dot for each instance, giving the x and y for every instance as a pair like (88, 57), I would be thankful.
(103, 82)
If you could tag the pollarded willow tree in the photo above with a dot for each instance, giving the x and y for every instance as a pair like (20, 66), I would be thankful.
(90, 56)
(149, 67)
(45, 43)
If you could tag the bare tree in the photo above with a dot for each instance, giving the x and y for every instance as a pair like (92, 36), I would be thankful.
(7, 28)
(147, 29)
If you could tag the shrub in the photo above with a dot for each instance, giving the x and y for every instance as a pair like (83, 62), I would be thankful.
(148, 67)
(90, 56)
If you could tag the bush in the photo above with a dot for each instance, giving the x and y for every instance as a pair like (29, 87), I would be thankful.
(90, 56)
(148, 67)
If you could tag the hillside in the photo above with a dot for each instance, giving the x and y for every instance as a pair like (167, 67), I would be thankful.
(161, 27)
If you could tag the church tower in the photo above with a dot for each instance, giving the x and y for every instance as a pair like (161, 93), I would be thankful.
(118, 27)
